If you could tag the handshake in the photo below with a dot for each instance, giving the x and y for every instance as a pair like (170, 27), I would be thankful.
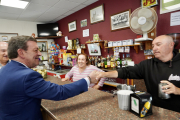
(94, 76)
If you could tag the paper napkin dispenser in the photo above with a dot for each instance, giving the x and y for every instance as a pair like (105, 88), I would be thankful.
(140, 104)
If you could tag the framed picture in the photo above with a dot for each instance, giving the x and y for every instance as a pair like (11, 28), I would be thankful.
(149, 3)
(84, 23)
(94, 49)
(4, 38)
(169, 6)
(120, 20)
(72, 26)
(97, 14)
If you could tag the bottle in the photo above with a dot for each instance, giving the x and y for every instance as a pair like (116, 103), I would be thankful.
(105, 63)
(99, 62)
(93, 61)
(102, 62)
(96, 61)
(108, 62)
(112, 62)
(118, 63)
(123, 62)
(90, 60)
(42, 58)
(146, 107)
(127, 59)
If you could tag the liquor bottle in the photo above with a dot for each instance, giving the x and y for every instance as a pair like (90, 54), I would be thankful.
(99, 62)
(113, 62)
(93, 61)
(146, 107)
(102, 62)
(123, 62)
(108, 62)
(127, 59)
(105, 63)
(90, 60)
(96, 61)
(118, 63)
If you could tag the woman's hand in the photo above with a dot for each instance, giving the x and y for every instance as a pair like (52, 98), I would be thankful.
(64, 79)
(96, 87)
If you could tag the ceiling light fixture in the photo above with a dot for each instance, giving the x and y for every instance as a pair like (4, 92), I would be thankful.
(14, 3)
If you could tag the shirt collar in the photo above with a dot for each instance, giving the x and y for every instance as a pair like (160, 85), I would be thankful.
(21, 63)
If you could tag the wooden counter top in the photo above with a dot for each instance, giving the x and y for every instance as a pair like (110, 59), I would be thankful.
(96, 105)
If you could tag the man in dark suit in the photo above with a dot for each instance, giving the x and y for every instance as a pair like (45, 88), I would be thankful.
(22, 89)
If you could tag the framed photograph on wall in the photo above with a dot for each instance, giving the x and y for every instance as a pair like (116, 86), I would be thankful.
(94, 49)
(149, 3)
(97, 14)
(120, 20)
(72, 26)
(169, 6)
(4, 38)
(84, 23)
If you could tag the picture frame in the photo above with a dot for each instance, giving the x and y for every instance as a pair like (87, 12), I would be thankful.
(148, 3)
(166, 6)
(94, 49)
(72, 26)
(83, 23)
(120, 21)
(97, 14)
(4, 38)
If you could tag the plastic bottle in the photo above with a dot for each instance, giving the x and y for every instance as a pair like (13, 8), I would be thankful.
(146, 107)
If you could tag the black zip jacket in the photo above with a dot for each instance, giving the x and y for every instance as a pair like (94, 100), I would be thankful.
(153, 71)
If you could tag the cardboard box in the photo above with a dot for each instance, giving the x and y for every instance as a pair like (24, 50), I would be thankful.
(119, 43)
(110, 44)
(115, 44)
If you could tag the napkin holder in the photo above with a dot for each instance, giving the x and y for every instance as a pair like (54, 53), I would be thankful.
(140, 104)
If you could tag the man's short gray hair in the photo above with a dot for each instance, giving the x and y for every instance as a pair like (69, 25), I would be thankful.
(18, 42)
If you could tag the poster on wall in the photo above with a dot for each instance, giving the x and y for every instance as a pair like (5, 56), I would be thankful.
(149, 3)
(94, 49)
(169, 6)
(120, 20)
(97, 14)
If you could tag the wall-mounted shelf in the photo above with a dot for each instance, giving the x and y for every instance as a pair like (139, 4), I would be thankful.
(135, 47)
(73, 50)
(49, 37)
(100, 43)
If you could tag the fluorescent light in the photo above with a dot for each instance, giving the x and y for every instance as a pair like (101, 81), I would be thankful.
(173, 7)
(14, 3)
(165, 1)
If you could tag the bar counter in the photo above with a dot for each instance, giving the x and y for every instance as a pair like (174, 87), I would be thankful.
(94, 105)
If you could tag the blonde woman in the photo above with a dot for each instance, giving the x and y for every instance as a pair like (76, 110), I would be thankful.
(83, 69)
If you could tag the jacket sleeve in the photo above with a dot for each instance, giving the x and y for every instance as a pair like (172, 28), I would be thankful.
(35, 86)
(132, 72)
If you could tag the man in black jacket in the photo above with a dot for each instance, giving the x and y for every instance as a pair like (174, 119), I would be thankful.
(163, 68)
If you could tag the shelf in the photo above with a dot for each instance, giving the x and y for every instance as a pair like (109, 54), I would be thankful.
(73, 50)
(135, 47)
(100, 43)
(43, 51)
(48, 37)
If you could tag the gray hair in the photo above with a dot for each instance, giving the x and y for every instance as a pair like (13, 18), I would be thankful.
(18, 42)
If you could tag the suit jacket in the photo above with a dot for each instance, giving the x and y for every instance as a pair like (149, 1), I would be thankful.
(21, 91)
